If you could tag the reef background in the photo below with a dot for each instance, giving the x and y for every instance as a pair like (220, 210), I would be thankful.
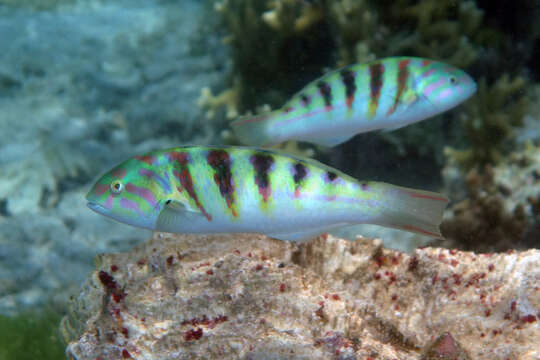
(86, 84)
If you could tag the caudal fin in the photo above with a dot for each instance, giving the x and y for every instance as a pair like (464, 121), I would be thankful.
(412, 210)
(252, 130)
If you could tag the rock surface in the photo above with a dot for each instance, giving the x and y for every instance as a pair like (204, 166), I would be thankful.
(251, 297)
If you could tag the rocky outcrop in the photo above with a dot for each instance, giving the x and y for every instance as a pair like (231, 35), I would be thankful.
(252, 297)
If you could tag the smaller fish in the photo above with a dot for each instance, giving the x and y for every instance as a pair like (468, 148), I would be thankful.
(239, 189)
(385, 94)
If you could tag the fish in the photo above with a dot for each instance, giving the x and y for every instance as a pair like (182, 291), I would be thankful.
(387, 94)
(235, 189)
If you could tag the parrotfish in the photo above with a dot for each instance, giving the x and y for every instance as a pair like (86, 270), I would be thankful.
(253, 190)
(385, 94)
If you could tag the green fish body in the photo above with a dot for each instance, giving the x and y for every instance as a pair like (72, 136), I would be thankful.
(240, 189)
(385, 94)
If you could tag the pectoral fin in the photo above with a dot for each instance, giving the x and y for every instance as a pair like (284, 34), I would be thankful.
(174, 214)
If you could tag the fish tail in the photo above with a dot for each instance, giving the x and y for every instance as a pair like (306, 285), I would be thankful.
(412, 210)
(252, 130)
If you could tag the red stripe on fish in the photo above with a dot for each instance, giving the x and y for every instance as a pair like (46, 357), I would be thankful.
(262, 164)
(427, 196)
(119, 173)
(403, 76)
(146, 159)
(220, 161)
(376, 72)
(326, 93)
(180, 161)
(347, 77)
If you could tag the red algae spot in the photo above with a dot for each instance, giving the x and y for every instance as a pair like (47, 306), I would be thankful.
(114, 268)
(107, 280)
(379, 260)
(125, 332)
(110, 284)
(209, 272)
(193, 334)
(444, 347)
(413, 264)
(236, 251)
(454, 262)
(475, 279)
(259, 267)
(394, 297)
(457, 279)
(377, 276)
(335, 297)
(491, 267)
(126, 354)
(263, 258)
(170, 260)
(528, 318)
(282, 287)
(210, 323)
(487, 312)
(141, 262)
(320, 311)
(513, 305)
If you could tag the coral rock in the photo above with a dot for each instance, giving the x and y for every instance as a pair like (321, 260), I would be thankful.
(252, 297)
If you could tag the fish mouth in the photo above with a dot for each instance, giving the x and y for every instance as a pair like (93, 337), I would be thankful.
(100, 209)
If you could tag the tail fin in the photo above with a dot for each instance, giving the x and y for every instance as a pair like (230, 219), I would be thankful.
(252, 130)
(412, 210)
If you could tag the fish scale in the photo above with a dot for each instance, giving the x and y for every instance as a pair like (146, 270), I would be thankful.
(385, 94)
(240, 189)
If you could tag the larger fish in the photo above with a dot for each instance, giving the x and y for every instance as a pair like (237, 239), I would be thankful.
(384, 94)
(237, 189)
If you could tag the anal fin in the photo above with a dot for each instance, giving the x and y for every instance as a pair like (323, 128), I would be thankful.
(331, 141)
(304, 235)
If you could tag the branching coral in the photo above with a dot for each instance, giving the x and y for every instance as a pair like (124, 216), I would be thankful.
(501, 209)
(481, 221)
(271, 43)
(489, 120)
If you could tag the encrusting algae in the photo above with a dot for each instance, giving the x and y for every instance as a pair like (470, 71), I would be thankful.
(252, 297)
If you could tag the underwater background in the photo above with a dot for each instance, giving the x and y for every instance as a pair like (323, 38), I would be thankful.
(87, 84)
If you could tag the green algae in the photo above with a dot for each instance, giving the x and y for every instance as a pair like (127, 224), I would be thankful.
(31, 335)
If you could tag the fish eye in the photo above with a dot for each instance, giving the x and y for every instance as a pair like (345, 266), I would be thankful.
(453, 80)
(168, 201)
(117, 187)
